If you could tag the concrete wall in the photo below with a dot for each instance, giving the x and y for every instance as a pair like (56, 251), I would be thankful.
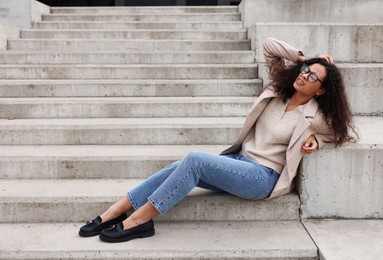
(21, 13)
(343, 183)
(346, 11)
(7, 32)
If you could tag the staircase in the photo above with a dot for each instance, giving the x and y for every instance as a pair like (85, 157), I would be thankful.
(94, 100)
(104, 97)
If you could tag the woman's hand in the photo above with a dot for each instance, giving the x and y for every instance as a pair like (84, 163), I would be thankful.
(310, 145)
(327, 57)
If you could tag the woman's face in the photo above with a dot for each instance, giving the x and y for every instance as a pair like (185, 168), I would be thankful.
(310, 89)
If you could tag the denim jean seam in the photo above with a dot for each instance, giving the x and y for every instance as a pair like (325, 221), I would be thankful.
(132, 201)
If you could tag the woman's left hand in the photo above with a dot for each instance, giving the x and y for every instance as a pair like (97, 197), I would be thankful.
(310, 145)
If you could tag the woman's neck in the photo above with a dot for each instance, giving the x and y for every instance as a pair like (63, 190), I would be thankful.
(297, 100)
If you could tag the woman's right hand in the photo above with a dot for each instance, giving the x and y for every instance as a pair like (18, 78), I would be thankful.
(327, 57)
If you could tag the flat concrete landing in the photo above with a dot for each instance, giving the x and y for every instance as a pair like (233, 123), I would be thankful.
(191, 240)
(347, 239)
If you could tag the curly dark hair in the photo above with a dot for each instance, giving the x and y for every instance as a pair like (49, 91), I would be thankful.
(333, 103)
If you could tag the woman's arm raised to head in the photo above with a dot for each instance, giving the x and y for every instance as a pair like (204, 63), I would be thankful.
(275, 51)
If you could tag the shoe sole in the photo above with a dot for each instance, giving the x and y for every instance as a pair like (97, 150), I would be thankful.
(90, 234)
(124, 239)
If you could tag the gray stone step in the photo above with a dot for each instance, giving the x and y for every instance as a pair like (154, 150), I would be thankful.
(130, 71)
(206, 25)
(193, 240)
(122, 107)
(144, 9)
(121, 88)
(127, 45)
(346, 42)
(91, 161)
(126, 57)
(365, 242)
(363, 82)
(145, 17)
(83, 199)
(142, 34)
(332, 179)
(80, 131)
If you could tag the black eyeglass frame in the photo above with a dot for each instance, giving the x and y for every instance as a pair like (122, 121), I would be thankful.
(306, 69)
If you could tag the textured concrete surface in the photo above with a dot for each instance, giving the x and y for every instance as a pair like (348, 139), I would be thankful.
(359, 43)
(347, 239)
(69, 201)
(210, 240)
(7, 32)
(137, 45)
(198, 25)
(129, 71)
(346, 182)
(339, 11)
(21, 13)
(91, 161)
(124, 107)
(221, 130)
(190, 17)
(146, 10)
(122, 88)
(137, 33)
(112, 57)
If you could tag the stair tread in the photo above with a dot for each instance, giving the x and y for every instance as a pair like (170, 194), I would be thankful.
(124, 100)
(126, 122)
(90, 152)
(219, 240)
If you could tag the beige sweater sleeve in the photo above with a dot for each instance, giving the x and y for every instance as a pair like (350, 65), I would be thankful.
(275, 51)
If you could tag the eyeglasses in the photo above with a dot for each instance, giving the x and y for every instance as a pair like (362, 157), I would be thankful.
(313, 77)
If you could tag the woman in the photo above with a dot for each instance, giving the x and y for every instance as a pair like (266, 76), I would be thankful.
(304, 107)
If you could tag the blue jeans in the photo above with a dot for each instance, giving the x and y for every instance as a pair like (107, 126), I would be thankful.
(231, 173)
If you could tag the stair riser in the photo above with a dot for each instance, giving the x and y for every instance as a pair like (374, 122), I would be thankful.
(201, 208)
(152, 10)
(84, 109)
(163, 35)
(347, 43)
(127, 45)
(141, 25)
(128, 72)
(145, 18)
(98, 168)
(92, 162)
(146, 89)
(128, 58)
(136, 135)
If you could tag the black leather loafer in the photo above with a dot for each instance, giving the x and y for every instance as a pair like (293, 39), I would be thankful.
(118, 234)
(94, 227)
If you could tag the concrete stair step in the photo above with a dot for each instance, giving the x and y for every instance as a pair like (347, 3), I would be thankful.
(346, 42)
(127, 57)
(36, 201)
(122, 107)
(130, 71)
(145, 17)
(121, 88)
(218, 25)
(156, 131)
(144, 9)
(193, 240)
(134, 34)
(126, 45)
(91, 161)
